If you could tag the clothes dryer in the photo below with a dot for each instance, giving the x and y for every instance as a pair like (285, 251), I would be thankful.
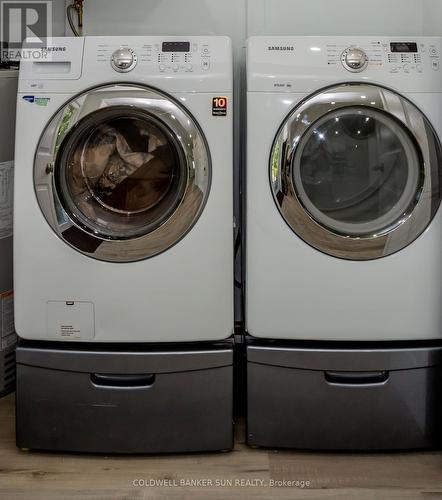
(344, 238)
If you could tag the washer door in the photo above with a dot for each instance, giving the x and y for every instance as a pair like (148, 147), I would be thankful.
(356, 171)
(122, 172)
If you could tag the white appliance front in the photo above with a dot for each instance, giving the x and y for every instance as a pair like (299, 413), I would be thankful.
(336, 252)
(107, 250)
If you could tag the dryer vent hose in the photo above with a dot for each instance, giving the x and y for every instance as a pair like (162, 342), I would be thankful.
(75, 10)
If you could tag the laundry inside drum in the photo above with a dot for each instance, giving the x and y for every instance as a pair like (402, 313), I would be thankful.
(122, 176)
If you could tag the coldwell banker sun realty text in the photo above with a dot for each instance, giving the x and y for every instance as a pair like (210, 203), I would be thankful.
(220, 483)
(31, 21)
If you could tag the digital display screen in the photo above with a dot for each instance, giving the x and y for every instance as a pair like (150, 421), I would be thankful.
(403, 47)
(176, 46)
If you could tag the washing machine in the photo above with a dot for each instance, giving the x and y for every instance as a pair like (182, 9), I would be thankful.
(344, 238)
(123, 253)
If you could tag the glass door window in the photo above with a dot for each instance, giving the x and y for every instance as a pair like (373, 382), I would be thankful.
(122, 172)
(355, 171)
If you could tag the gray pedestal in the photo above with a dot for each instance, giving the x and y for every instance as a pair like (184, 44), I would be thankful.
(125, 399)
(344, 397)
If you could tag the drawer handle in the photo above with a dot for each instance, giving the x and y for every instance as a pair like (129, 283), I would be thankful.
(127, 381)
(356, 378)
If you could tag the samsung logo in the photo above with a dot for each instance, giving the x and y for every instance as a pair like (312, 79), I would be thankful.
(282, 48)
(54, 49)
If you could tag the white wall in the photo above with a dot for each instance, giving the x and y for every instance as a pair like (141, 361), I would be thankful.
(58, 17)
(337, 17)
(432, 18)
(242, 18)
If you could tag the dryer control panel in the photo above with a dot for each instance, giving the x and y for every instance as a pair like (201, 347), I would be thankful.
(305, 63)
(172, 63)
(397, 56)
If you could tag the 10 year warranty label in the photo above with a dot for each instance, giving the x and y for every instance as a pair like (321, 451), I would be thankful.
(219, 106)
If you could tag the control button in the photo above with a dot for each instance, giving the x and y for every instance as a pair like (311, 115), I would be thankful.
(176, 67)
(205, 50)
(419, 68)
(433, 51)
(123, 60)
(162, 67)
(406, 68)
(354, 59)
(394, 67)
(205, 65)
(188, 67)
(435, 65)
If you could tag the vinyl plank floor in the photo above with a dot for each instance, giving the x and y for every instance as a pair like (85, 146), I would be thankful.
(243, 473)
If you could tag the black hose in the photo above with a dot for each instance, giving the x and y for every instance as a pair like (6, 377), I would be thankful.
(70, 20)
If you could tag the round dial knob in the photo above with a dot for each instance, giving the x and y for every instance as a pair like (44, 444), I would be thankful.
(124, 60)
(354, 59)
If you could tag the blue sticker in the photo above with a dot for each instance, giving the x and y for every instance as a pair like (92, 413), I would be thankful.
(39, 101)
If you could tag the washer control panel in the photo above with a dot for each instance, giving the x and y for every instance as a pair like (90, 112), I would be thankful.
(168, 56)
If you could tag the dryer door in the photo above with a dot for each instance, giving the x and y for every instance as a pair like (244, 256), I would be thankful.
(356, 171)
(122, 172)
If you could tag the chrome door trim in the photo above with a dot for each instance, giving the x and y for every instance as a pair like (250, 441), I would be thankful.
(282, 163)
(195, 150)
